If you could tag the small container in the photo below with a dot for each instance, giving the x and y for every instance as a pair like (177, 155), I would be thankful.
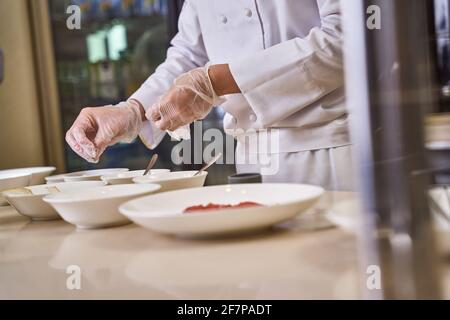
(245, 178)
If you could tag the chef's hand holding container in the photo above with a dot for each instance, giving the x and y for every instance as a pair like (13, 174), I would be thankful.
(190, 98)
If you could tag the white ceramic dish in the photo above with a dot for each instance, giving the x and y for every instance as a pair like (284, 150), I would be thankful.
(11, 180)
(174, 180)
(31, 204)
(38, 174)
(97, 207)
(127, 177)
(55, 179)
(91, 174)
(22, 177)
(163, 212)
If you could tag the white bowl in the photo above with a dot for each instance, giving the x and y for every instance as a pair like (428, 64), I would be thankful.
(163, 212)
(31, 204)
(97, 207)
(38, 174)
(174, 180)
(56, 178)
(127, 177)
(91, 174)
(12, 180)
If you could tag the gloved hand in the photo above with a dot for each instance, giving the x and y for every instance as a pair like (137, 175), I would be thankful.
(97, 128)
(190, 98)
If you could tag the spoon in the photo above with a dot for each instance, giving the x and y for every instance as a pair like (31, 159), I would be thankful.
(209, 164)
(151, 164)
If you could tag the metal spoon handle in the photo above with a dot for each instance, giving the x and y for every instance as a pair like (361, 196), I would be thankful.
(151, 164)
(209, 164)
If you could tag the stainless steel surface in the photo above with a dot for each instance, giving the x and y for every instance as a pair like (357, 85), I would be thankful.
(389, 88)
(151, 164)
(209, 164)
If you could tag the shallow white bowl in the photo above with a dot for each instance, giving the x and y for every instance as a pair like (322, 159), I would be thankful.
(97, 207)
(174, 180)
(32, 205)
(127, 177)
(163, 212)
(12, 180)
(15, 178)
(55, 179)
(91, 174)
(38, 174)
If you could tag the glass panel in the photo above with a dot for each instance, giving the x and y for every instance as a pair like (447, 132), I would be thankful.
(99, 64)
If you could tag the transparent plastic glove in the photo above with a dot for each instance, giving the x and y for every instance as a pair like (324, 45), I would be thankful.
(181, 133)
(190, 98)
(97, 128)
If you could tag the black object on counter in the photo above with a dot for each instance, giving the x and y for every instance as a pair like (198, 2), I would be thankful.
(245, 178)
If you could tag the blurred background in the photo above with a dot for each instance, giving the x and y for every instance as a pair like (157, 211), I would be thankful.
(52, 72)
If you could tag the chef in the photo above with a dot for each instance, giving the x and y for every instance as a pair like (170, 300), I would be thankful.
(274, 66)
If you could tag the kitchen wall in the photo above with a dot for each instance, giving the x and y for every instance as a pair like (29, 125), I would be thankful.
(21, 138)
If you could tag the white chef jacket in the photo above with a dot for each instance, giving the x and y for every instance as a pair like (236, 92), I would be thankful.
(286, 57)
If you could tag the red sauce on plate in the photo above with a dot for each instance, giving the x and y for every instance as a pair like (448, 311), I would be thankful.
(214, 206)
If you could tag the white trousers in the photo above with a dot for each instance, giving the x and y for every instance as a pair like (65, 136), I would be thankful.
(330, 168)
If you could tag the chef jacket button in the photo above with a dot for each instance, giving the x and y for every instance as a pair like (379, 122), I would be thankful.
(252, 117)
(248, 12)
(223, 19)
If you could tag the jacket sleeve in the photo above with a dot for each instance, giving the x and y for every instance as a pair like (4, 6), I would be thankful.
(186, 52)
(281, 80)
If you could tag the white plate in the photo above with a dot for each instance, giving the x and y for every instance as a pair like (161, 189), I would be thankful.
(163, 212)
(32, 205)
(91, 174)
(127, 177)
(174, 180)
(97, 207)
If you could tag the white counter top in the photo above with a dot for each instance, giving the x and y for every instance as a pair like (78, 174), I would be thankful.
(133, 263)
